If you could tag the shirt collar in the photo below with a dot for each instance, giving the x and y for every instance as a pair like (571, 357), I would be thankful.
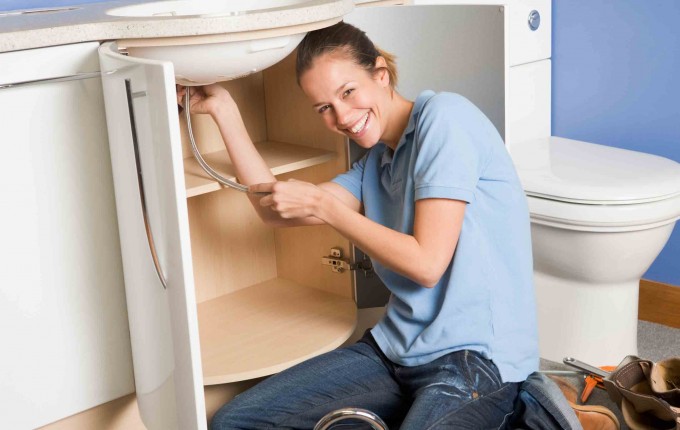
(388, 155)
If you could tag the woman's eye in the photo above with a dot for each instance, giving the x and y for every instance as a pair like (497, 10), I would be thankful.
(347, 92)
(323, 109)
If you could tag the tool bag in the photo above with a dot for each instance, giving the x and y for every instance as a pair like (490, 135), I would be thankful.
(647, 393)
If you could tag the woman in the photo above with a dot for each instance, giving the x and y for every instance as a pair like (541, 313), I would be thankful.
(438, 207)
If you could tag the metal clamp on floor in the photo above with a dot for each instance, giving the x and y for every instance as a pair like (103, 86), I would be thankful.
(351, 413)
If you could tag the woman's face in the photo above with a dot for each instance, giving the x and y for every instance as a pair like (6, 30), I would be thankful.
(349, 99)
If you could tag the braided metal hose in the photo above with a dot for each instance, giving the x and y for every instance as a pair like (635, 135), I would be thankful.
(209, 170)
(351, 413)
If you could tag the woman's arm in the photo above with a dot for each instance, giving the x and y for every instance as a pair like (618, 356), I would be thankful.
(422, 257)
(250, 167)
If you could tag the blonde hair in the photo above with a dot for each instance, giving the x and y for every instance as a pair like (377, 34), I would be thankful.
(348, 40)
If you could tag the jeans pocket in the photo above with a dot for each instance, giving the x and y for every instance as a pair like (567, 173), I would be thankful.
(483, 376)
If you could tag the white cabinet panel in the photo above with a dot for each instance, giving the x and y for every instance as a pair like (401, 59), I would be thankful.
(63, 321)
(528, 114)
(144, 137)
(443, 48)
(527, 45)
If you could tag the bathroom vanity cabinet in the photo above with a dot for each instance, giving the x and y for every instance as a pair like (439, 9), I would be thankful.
(63, 320)
(242, 300)
(215, 297)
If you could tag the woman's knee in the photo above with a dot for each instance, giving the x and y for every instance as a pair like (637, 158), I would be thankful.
(223, 421)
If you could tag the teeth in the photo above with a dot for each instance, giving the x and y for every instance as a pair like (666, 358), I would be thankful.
(357, 128)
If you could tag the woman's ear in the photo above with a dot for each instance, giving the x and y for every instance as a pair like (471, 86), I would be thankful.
(382, 75)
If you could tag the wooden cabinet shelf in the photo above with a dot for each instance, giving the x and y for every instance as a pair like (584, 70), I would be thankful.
(280, 157)
(268, 327)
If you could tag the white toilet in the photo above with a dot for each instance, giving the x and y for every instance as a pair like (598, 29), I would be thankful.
(599, 217)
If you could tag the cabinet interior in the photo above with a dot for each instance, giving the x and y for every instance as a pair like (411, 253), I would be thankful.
(260, 290)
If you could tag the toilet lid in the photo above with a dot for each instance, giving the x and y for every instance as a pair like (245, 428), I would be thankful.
(580, 172)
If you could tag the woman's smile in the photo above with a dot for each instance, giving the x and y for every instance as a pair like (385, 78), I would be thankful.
(359, 128)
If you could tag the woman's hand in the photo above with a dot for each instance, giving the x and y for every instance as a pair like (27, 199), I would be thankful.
(208, 99)
(291, 199)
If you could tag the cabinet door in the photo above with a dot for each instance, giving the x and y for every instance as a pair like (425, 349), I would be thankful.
(146, 155)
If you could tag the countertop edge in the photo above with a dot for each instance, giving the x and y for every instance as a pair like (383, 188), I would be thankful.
(64, 27)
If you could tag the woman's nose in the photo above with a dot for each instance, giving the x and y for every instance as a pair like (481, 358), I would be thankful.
(342, 116)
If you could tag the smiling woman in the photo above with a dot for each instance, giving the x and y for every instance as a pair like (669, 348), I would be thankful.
(459, 332)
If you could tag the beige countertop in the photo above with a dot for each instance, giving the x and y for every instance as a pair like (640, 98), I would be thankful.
(90, 22)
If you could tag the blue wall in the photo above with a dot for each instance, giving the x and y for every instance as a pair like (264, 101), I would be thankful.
(616, 81)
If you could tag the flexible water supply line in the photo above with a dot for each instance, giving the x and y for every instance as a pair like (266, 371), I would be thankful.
(213, 174)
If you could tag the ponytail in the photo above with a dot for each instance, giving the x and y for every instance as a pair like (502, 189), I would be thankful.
(347, 40)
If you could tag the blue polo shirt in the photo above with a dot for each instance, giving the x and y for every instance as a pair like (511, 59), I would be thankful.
(485, 299)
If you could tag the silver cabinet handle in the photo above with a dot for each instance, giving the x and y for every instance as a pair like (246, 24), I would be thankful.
(140, 181)
(74, 77)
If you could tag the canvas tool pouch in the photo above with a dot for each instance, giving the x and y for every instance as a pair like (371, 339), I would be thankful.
(647, 393)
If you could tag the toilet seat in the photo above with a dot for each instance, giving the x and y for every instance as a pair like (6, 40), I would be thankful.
(584, 186)
(610, 218)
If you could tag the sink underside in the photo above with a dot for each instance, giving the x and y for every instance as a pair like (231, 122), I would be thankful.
(202, 8)
(213, 62)
(212, 57)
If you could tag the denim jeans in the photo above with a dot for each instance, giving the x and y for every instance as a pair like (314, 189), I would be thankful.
(541, 405)
(461, 390)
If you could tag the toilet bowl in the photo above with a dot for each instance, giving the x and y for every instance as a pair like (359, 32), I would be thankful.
(599, 217)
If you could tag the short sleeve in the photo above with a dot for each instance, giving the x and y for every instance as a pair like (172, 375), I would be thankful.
(449, 158)
(353, 178)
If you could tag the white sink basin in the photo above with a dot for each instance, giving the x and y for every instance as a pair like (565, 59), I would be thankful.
(206, 63)
(202, 8)
(201, 59)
